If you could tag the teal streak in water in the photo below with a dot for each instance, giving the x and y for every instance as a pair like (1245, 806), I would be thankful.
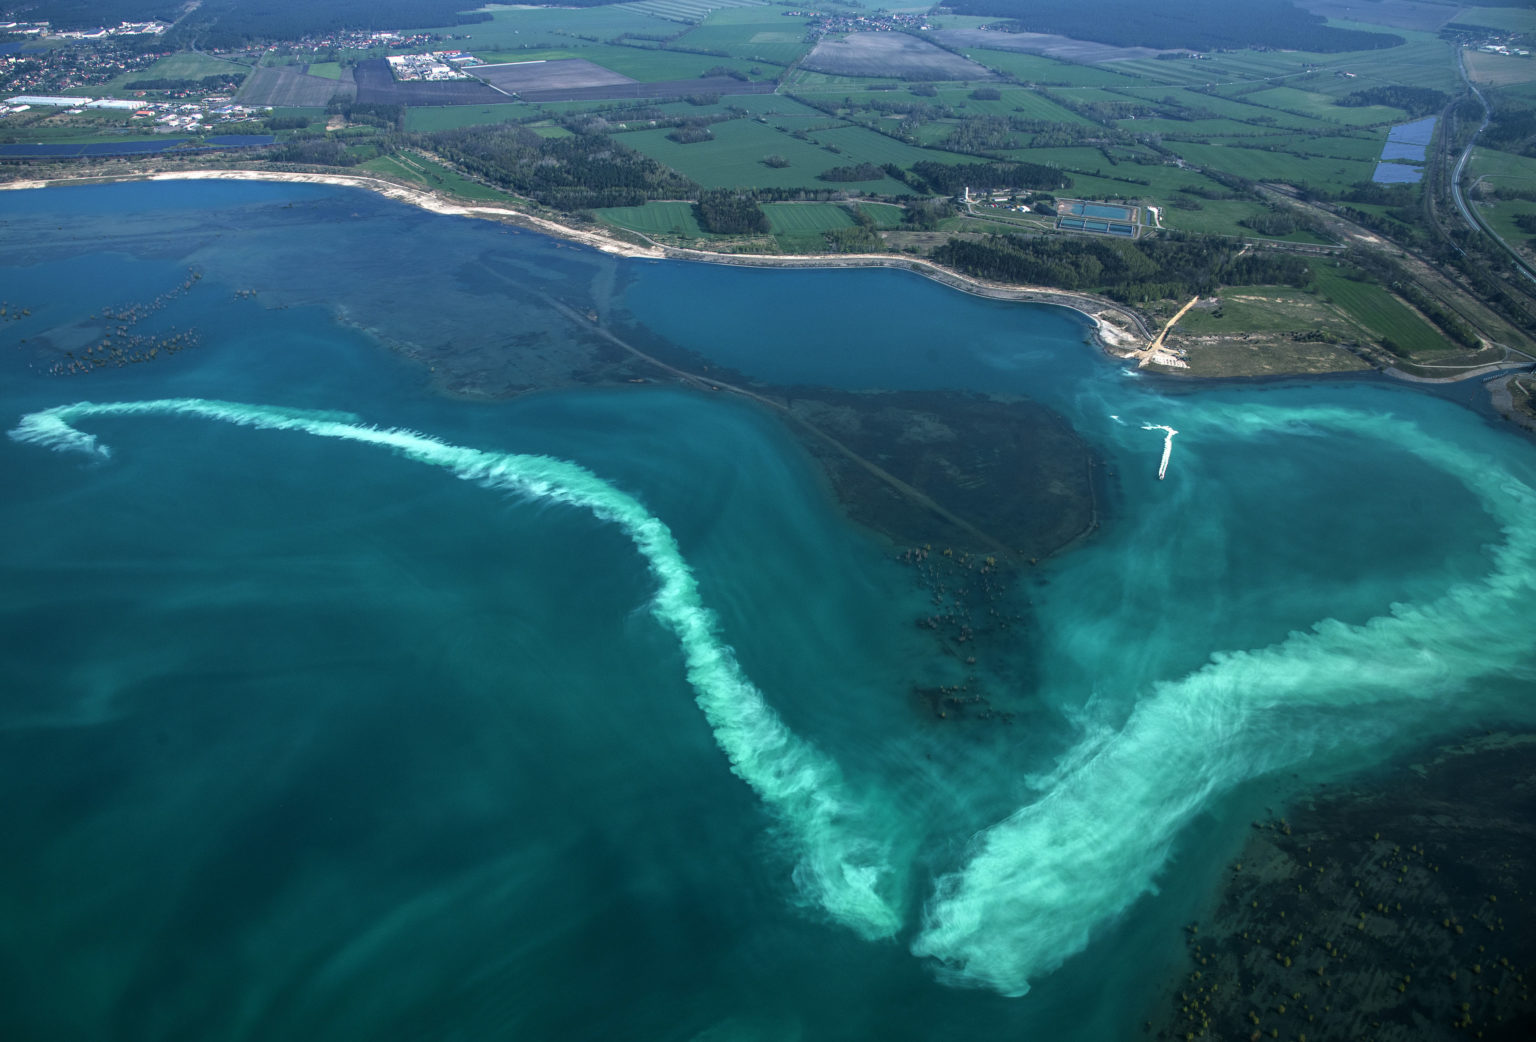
(843, 861)
(1037, 883)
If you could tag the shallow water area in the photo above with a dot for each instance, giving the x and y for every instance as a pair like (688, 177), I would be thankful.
(586, 714)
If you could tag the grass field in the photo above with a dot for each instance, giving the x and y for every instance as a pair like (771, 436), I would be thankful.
(752, 33)
(734, 159)
(1322, 107)
(1320, 172)
(450, 117)
(862, 145)
(1378, 313)
(1030, 68)
(1266, 309)
(510, 30)
(184, 66)
(1500, 70)
(656, 219)
(883, 214)
(325, 70)
(802, 219)
(1503, 168)
(432, 175)
(1510, 19)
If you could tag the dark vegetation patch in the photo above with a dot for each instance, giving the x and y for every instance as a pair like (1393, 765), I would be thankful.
(1171, 266)
(953, 178)
(1399, 908)
(859, 172)
(1204, 25)
(725, 212)
(93, 14)
(1416, 101)
(236, 23)
(579, 172)
(1012, 472)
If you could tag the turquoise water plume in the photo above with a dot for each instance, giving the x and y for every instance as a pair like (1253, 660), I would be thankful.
(843, 863)
(1038, 884)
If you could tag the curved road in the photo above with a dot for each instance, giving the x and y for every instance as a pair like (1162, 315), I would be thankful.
(1461, 164)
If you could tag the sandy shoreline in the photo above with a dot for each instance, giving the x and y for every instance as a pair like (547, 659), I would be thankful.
(1111, 336)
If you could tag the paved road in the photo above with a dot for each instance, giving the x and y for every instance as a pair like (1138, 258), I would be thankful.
(1471, 218)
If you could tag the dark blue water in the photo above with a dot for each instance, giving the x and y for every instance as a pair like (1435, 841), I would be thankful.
(586, 714)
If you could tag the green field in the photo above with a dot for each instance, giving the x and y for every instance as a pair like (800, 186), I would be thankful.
(1503, 168)
(884, 215)
(451, 117)
(1266, 309)
(1031, 68)
(1379, 313)
(734, 159)
(325, 70)
(511, 30)
(432, 175)
(802, 219)
(183, 66)
(1258, 165)
(759, 34)
(655, 218)
(1322, 107)
(1510, 19)
(862, 145)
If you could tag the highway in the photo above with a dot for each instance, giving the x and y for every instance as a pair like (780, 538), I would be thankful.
(1461, 164)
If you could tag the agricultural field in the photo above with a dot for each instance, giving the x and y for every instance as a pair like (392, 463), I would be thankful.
(1258, 165)
(764, 34)
(862, 145)
(1031, 68)
(325, 70)
(734, 159)
(804, 219)
(690, 11)
(1047, 45)
(1503, 169)
(885, 215)
(1322, 107)
(1509, 19)
(427, 118)
(656, 219)
(1378, 313)
(1500, 70)
(289, 86)
(890, 55)
(511, 30)
(1015, 101)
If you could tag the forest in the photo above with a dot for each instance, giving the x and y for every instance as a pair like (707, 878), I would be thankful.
(579, 172)
(235, 23)
(952, 179)
(1173, 266)
(1201, 25)
(91, 14)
